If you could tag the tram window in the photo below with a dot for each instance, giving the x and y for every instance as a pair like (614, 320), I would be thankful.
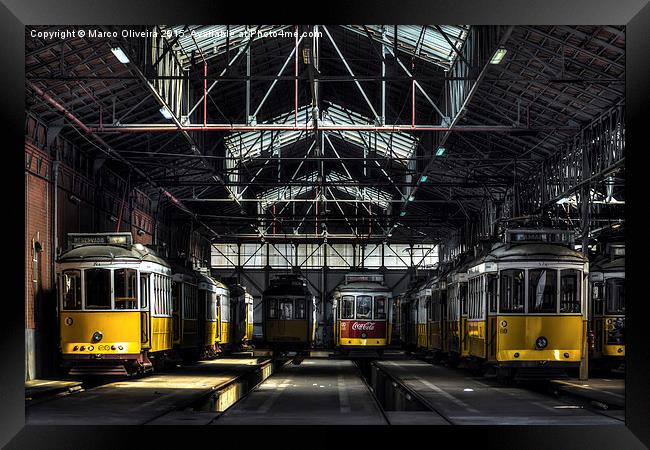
(492, 292)
(97, 286)
(124, 283)
(615, 295)
(542, 291)
(144, 290)
(300, 309)
(71, 289)
(190, 305)
(347, 308)
(176, 295)
(512, 291)
(380, 307)
(463, 298)
(211, 306)
(364, 306)
(286, 309)
(570, 291)
(225, 308)
(597, 295)
(273, 308)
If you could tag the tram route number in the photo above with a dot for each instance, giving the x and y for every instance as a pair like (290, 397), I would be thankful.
(503, 331)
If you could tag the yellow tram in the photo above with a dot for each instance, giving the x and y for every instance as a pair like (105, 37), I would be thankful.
(412, 315)
(115, 301)
(436, 315)
(185, 312)
(527, 304)
(289, 311)
(362, 313)
(456, 317)
(211, 294)
(242, 312)
(607, 277)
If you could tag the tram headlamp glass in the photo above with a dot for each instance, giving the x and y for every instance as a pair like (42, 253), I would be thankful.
(97, 336)
(541, 342)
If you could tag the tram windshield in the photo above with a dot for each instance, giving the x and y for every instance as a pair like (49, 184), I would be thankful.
(124, 285)
(615, 288)
(273, 309)
(71, 289)
(570, 291)
(364, 306)
(347, 307)
(542, 291)
(300, 308)
(286, 309)
(380, 307)
(97, 287)
(512, 291)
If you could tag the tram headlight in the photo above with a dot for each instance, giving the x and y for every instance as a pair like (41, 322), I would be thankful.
(97, 336)
(541, 342)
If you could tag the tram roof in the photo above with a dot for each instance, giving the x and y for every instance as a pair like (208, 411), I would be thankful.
(111, 252)
(530, 251)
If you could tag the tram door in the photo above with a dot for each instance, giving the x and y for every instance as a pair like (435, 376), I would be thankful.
(176, 310)
(144, 310)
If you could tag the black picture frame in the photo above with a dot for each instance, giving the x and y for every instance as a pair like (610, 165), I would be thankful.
(635, 14)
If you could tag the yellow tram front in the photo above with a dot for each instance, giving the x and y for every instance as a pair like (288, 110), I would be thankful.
(211, 293)
(607, 278)
(362, 313)
(456, 321)
(243, 304)
(185, 312)
(436, 315)
(527, 306)
(289, 311)
(115, 305)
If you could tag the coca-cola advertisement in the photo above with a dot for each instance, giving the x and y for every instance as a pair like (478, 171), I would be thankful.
(354, 329)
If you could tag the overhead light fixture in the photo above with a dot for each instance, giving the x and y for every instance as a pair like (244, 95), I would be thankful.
(120, 55)
(402, 214)
(498, 56)
(74, 199)
(423, 179)
(440, 151)
(616, 225)
(165, 112)
(411, 198)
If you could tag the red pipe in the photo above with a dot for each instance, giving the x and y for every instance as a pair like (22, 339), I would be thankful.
(413, 104)
(58, 107)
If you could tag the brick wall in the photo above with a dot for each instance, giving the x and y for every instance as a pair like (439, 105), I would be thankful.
(38, 227)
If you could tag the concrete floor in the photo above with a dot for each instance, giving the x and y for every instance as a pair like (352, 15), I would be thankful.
(143, 400)
(315, 392)
(466, 400)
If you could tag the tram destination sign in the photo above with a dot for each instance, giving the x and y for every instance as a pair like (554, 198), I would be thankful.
(79, 239)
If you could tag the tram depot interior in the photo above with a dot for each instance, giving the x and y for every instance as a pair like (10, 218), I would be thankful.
(325, 224)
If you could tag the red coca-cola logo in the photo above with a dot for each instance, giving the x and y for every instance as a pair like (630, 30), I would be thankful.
(363, 326)
(363, 329)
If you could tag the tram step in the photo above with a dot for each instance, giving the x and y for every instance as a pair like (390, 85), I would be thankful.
(99, 370)
(539, 373)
